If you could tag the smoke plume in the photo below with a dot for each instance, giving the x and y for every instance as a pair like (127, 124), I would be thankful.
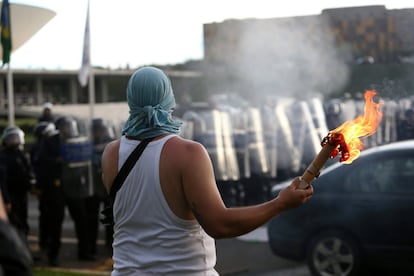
(290, 57)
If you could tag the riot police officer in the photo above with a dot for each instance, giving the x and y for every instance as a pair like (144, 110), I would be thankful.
(76, 155)
(19, 179)
(102, 134)
(48, 167)
(43, 190)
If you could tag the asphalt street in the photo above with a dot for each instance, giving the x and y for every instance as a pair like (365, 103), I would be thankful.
(243, 256)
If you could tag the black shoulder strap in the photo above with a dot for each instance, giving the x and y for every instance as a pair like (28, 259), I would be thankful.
(126, 168)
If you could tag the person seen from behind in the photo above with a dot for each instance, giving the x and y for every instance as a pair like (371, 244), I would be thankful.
(169, 210)
(20, 179)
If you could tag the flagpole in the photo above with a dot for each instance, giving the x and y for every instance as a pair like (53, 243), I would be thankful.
(91, 89)
(10, 97)
(86, 63)
(6, 43)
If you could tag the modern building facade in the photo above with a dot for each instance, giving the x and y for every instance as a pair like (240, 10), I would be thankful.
(374, 31)
(33, 87)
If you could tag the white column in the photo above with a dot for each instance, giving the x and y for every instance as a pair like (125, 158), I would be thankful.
(39, 90)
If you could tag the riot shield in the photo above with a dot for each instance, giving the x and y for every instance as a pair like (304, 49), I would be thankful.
(256, 143)
(76, 152)
(216, 136)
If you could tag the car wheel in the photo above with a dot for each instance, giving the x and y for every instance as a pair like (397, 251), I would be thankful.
(333, 253)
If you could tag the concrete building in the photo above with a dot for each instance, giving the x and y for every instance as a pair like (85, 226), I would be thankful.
(374, 31)
(34, 87)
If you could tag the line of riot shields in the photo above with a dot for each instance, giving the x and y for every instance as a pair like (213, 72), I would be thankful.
(253, 148)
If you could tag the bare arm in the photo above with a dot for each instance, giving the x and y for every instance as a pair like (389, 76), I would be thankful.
(3, 214)
(110, 163)
(207, 205)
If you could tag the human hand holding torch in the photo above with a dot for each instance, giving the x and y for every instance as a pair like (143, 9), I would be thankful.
(332, 144)
(345, 139)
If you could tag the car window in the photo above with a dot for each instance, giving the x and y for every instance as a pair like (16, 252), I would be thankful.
(330, 181)
(362, 178)
(391, 174)
(402, 176)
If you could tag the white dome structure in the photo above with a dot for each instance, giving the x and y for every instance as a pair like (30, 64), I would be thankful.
(25, 21)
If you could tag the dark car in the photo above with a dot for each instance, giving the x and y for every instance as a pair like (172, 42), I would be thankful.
(361, 215)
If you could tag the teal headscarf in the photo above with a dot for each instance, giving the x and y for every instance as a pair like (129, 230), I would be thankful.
(151, 102)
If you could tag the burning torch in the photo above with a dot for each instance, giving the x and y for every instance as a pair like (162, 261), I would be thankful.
(345, 139)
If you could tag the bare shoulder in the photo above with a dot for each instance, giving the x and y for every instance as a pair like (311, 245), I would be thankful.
(186, 155)
(112, 147)
(110, 163)
(110, 153)
(185, 148)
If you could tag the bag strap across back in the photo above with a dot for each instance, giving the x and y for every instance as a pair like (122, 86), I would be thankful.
(126, 168)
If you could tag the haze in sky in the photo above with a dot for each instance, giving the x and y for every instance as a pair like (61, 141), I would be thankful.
(136, 32)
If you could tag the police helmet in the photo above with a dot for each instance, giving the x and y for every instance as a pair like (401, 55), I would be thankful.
(13, 136)
(67, 126)
(43, 128)
(333, 108)
(102, 130)
(48, 106)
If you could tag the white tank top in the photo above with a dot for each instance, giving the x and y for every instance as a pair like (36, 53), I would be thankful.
(149, 239)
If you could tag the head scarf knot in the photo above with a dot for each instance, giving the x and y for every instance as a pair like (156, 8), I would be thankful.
(151, 103)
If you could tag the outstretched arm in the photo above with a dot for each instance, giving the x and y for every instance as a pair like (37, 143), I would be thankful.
(207, 205)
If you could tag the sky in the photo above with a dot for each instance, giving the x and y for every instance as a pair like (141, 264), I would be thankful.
(136, 32)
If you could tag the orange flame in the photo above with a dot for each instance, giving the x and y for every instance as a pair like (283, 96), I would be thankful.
(362, 126)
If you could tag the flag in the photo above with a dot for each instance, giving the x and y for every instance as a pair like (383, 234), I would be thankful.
(5, 31)
(86, 58)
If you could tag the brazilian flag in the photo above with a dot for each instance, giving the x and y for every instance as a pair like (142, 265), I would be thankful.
(5, 31)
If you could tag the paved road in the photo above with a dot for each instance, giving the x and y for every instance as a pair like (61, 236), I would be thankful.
(243, 256)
